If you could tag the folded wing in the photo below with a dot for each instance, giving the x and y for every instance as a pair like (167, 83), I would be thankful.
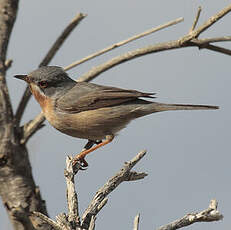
(88, 96)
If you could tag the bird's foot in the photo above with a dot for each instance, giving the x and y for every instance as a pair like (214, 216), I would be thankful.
(82, 162)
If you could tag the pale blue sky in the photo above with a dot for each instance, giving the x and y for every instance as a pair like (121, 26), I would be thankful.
(188, 159)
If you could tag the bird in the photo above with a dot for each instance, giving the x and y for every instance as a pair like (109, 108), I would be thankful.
(91, 111)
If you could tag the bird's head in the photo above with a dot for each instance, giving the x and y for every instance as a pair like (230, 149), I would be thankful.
(49, 81)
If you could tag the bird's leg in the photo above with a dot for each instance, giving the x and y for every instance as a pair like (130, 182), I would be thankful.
(88, 149)
(89, 144)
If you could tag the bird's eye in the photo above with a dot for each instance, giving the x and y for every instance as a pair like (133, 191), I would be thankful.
(43, 84)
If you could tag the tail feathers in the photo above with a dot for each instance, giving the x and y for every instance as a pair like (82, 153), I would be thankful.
(165, 107)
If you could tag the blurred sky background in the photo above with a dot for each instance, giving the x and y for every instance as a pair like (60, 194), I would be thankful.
(188, 159)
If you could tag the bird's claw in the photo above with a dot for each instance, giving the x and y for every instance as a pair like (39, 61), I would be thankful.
(82, 163)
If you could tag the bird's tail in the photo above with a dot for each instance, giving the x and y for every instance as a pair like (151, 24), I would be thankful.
(159, 107)
(155, 107)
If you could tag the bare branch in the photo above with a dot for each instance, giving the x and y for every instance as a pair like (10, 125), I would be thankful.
(136, 222)
(102, 204)
(47, 220)
(95, 71)
(121, 43)
(72, 200)
(50, 54)
(60, 40)
(136, 176)
(108, 187)
(92, 223)
(8, 63)
(185, 41)
(208, 215)
(214, 48)
(196, 19)
(212, 40)
(31, 127)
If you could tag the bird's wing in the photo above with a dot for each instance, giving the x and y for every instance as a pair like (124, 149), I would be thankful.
(88, 96)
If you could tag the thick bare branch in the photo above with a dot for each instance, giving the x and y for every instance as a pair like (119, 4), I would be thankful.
(31, 127)
(107, 188)
(8, 13)
(208, 215)
(95, 71)
(72, 220)
(50, 54)
(43, 218)
(121, 43)
(72, 201)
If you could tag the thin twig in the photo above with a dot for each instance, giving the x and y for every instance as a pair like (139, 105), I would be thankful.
(212, 40)
(136, 222)
(121, 43)
(213, 48)
(208, 215)
(50, 54)
(196, 19)
(108, 187)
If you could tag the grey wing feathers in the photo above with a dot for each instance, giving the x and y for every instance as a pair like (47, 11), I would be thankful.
(88, 96)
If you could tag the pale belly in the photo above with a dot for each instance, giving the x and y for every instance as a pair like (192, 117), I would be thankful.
(92, 124)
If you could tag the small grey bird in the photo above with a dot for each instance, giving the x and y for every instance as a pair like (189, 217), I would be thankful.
(89, 111)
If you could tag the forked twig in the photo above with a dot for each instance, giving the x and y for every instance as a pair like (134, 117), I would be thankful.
(108, 187)
(208, 215)
(72, 220)
(185, 41)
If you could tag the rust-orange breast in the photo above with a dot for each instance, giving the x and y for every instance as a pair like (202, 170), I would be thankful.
(45, 102)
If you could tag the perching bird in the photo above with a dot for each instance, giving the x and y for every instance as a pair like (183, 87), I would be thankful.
(89, 111)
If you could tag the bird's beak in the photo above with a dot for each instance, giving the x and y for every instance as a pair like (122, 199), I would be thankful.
(23, 77)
